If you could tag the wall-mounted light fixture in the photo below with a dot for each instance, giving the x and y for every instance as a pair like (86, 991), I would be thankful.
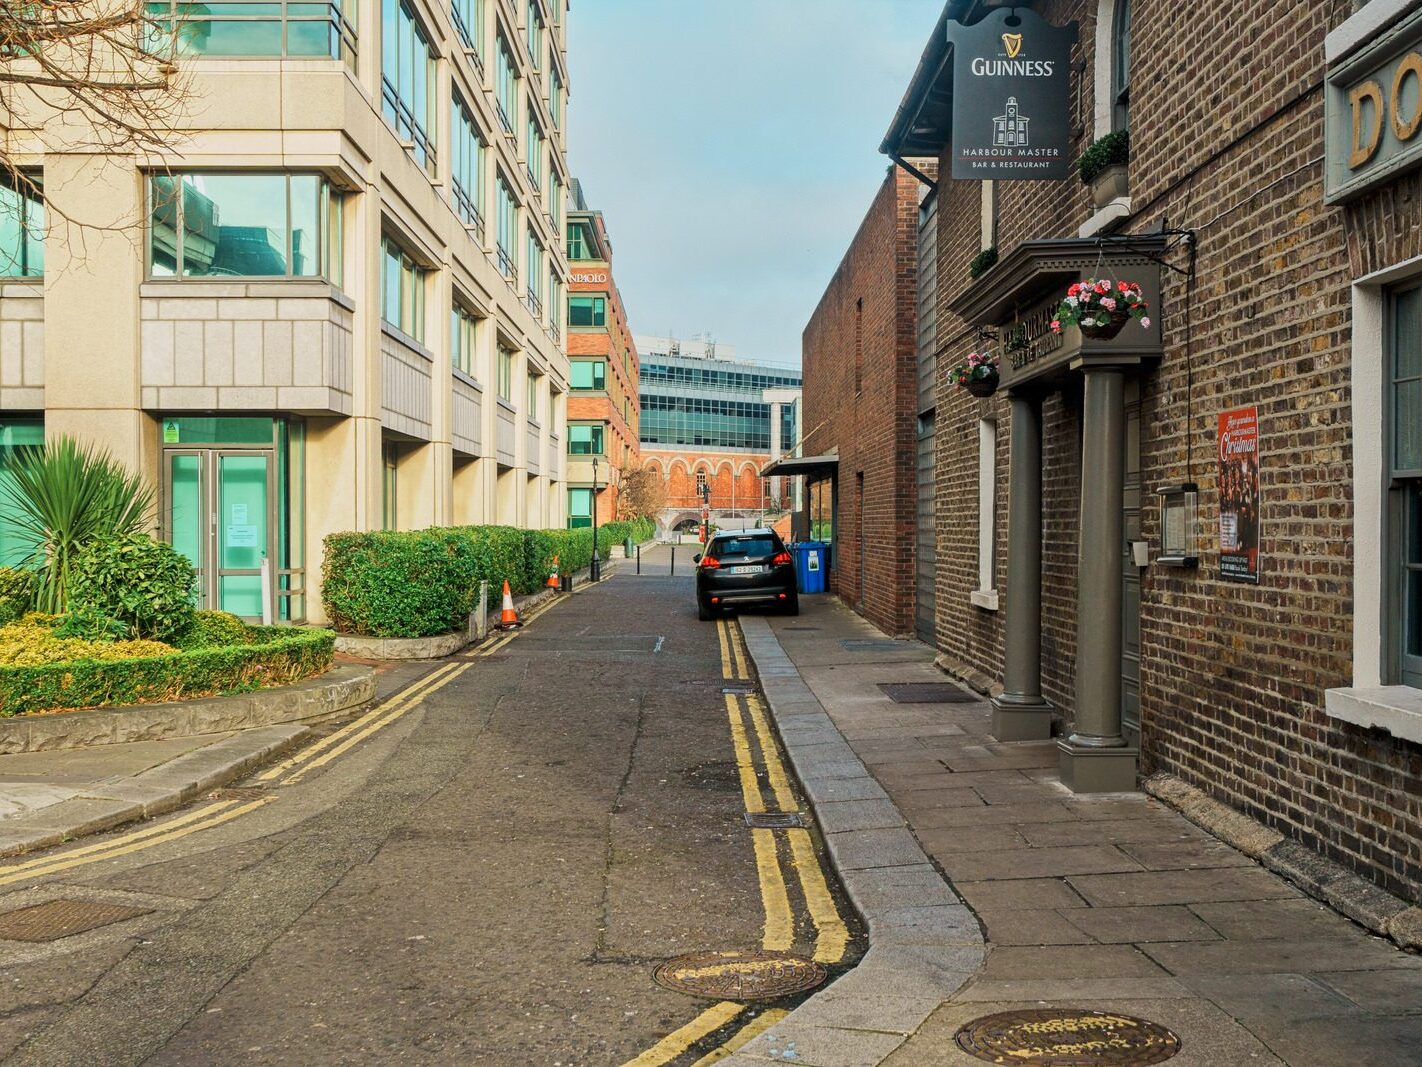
(1179, 525)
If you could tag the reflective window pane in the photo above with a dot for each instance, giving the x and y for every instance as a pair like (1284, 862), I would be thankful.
(235, 225)
(305, 225)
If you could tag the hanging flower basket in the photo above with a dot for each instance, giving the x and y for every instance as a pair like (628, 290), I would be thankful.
(1101, 308)
(978, 375)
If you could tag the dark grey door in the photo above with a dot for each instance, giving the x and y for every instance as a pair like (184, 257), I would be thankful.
(1131, 574)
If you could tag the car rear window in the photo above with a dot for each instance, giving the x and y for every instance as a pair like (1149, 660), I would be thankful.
(743, 546)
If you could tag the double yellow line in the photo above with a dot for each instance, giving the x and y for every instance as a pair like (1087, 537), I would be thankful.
(831, 933)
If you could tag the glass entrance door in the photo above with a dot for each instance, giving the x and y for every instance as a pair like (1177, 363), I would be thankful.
(219, 515)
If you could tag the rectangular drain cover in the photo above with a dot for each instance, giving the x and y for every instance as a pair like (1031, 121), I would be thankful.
(875, 644)
(927, 693)
(737, 690)
(62, 918)
(774, 820)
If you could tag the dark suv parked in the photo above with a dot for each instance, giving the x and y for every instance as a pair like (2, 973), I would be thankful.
(745, 567)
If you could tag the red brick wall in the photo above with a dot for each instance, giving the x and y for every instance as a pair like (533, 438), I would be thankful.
(734, 478)
(860, 398)
(1225, 141)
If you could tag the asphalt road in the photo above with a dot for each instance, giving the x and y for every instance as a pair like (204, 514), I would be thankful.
(485, 870)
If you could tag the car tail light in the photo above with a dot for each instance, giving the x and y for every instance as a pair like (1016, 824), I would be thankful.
(710, 563)
(782, 559)
(715, 600)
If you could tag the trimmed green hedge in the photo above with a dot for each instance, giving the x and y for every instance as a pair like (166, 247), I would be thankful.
(278, 655)
(419, 583)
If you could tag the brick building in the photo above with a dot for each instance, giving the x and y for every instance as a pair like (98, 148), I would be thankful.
(861, 407)
(1075, 576)
(603, 372)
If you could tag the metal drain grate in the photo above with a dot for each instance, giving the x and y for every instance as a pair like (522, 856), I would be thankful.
(874, 644)
(927, 693)
(241, 792)
(737, 690)
(739, 975)
(62, 918)
(774, 820)
(1057, 1037)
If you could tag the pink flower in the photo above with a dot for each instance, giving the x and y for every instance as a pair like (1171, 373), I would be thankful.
(1108, 304)
(1125, 287)
(1145, 322)
(1103, 287)
(1056, 326)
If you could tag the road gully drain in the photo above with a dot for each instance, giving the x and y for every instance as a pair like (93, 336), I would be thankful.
(927, 693)
(61, 918)
(1057, 1037)
(739, 975)
(774, 820)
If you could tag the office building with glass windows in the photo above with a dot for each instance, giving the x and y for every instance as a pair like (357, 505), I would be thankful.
(603, 372)
(337, 303)
(710, 422)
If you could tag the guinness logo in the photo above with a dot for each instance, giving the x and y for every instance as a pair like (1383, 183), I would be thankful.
(1013, 43)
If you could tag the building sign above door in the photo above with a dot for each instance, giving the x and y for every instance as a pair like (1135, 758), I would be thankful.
(1373, 113)
(1011, 97)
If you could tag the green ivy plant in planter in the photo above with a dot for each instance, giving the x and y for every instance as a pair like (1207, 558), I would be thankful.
(982, 262)
(1103, 167)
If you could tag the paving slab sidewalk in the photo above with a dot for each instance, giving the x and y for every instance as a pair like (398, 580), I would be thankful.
(1113, 903)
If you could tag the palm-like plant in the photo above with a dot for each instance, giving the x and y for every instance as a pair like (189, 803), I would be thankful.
(62, 496)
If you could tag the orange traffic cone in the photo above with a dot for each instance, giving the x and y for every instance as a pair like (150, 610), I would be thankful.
(553, 578)
(508, 620)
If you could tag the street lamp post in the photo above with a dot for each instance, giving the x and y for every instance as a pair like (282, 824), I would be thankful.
(595, 571)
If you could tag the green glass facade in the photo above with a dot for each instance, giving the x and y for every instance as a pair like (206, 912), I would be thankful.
(707, 403)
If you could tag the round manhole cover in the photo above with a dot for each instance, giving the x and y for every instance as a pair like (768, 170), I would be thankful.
(1058, 1037)
(739, 975)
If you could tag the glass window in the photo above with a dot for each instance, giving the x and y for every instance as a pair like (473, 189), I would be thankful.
(505, 373)
(463, 328)
(507, 227)
(555, 99)
(402, 290)
(245, 225)
(258, 27)
(579, 241)
(534, 273)
(755, 546)
(555, 203)
(580, 508)
(532, 409)
(469, 21)
(407, 78)
(585, 439)
(535, 34)
(534, 148)
(390, 485)
(21, 228)
(1121, 67)
(555, 301)
(588, 374)
(1405, 484)
(505, 86)
(467, 155)
(15, 435)
(587, 311)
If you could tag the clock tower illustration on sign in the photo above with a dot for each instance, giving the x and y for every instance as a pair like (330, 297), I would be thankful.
(1010, 130)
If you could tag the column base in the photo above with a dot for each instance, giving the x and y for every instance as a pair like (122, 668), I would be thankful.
(1021, 722)
(1097, 770)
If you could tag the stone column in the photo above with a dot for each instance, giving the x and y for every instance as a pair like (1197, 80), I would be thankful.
(1096, 758)
(1020, 713)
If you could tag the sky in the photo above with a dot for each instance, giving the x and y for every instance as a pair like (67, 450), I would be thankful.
(733, 148)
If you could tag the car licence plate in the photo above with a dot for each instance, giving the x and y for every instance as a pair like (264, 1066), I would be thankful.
(744, 570)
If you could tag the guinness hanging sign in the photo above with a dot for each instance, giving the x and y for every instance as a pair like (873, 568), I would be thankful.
(1012, 97)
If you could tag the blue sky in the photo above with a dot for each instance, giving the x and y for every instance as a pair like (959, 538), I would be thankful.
(732, 146)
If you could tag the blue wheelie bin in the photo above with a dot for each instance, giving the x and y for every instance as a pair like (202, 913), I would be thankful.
(810, 565)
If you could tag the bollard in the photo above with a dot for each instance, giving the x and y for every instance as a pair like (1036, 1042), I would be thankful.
(567, 582)
(672, 571)
(639, 559)
(479, 617)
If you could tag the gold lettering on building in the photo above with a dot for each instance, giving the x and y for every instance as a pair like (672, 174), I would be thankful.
(1406, 128)
(1365, 145)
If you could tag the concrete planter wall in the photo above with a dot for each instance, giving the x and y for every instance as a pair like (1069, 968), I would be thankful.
(339, 688)
(436, 647)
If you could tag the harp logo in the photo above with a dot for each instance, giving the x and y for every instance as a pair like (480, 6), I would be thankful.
(1012, 42)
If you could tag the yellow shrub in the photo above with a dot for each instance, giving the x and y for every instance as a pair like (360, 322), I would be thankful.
(30, 643)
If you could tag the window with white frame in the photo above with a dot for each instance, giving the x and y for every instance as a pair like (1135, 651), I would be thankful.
(1403, 449)
(535, 34)
(504, 374)
(468, 16)
(402, 290)
(1121, 67)
(987, 513)
(534, 274)
(533, 147)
